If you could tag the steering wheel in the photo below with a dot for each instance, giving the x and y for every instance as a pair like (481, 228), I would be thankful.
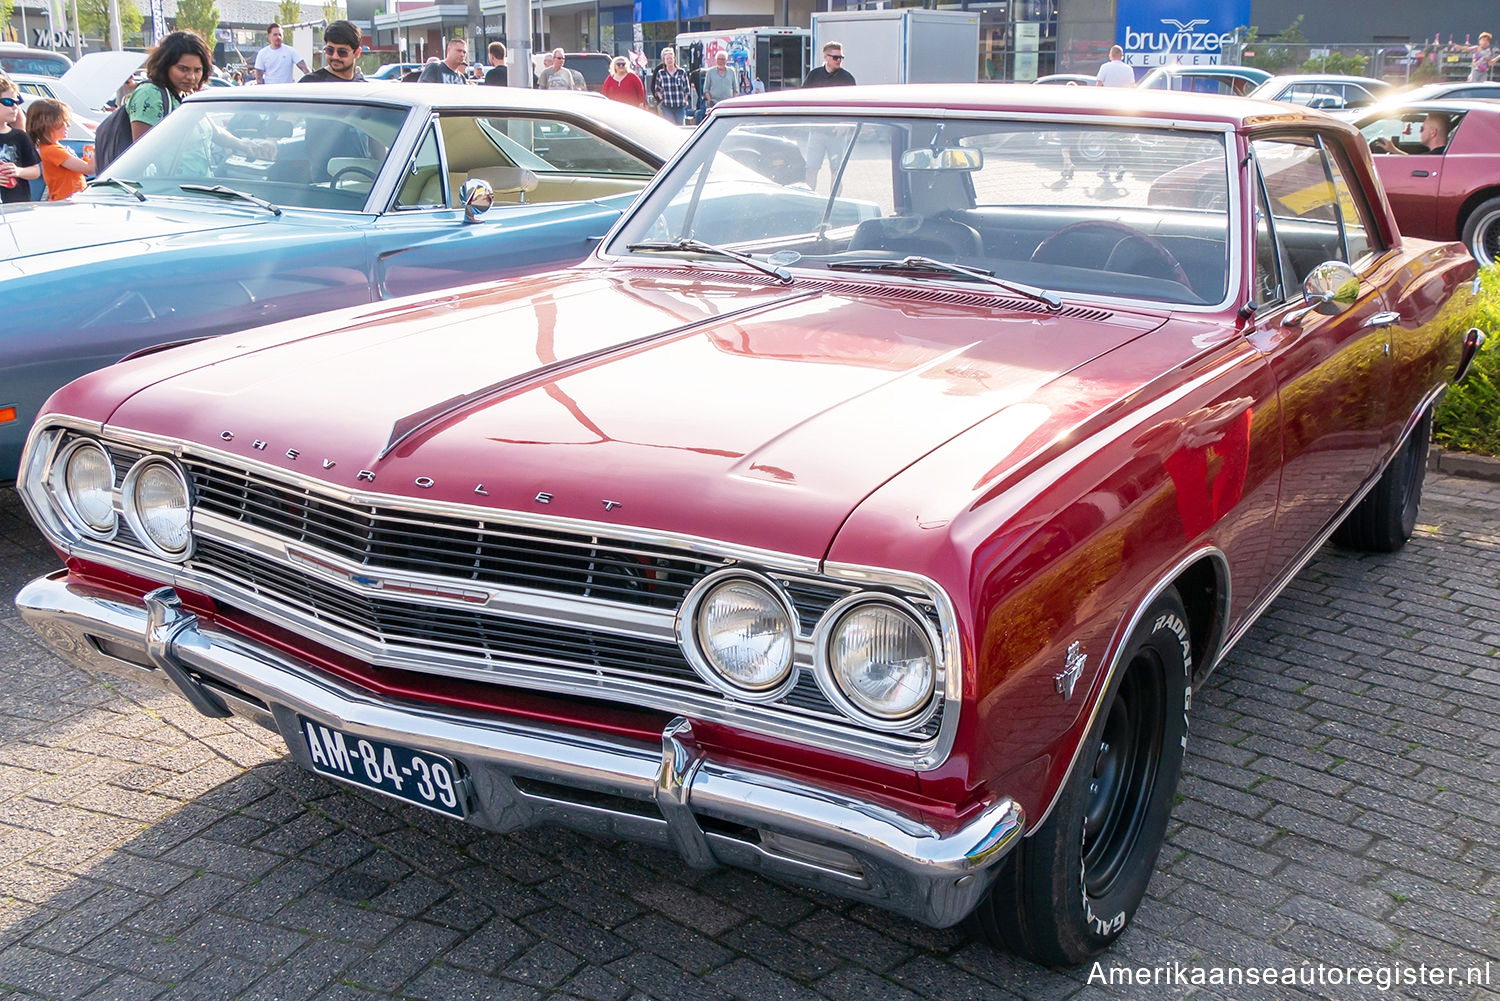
(352, 168)
(1159, 260)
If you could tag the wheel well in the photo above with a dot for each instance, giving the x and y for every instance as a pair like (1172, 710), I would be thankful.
(1470, 204)
(1204, 589)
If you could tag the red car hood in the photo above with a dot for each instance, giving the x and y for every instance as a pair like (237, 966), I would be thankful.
(761, 415)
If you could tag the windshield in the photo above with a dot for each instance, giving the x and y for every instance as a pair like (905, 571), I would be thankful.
(313, 155)
(1139, 213)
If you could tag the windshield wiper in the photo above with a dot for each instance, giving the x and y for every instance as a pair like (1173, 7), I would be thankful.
(928, 265)
(699, 247)
(219, 189)
(125, 186)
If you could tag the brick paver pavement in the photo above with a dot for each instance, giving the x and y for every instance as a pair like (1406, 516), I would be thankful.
(1340, 809)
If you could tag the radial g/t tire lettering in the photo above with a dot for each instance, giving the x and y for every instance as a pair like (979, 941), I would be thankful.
(1069, 889)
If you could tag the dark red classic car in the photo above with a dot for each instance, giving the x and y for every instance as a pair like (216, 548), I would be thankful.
(1450, 191)
(869, 523)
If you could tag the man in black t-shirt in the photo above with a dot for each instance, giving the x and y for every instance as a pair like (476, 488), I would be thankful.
(826, 143)
(832, 72)
(498, 75)
(341, 47)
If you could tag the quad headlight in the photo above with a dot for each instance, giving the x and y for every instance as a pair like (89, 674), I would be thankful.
(739, 633)
(157, 505)
(878, 660)
(83, 481)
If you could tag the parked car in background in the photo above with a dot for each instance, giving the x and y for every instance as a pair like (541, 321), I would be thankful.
(1067, 79)
(393, 71)
(594, 66)
(1324, 91)
(1452, 90)
(316, 196)
(1238, 80)
(21, 59)
(873, 534)
(1453, 194)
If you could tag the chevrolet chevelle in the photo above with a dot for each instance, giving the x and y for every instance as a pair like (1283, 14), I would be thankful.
(251, 205)
(872, 533)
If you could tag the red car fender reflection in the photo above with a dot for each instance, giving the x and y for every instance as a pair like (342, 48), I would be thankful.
(1210, 464)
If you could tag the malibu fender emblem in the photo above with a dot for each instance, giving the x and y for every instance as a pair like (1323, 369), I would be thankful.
(1072, 671)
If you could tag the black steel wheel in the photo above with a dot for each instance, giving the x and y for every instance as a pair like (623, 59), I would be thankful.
(1072, 886)
(1386, 517)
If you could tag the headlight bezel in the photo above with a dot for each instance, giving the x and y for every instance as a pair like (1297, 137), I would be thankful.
(833, 689)
(689, 641)
(57, 484)
(130, 506)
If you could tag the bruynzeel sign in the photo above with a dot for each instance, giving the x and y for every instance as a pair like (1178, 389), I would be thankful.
(1179, 33)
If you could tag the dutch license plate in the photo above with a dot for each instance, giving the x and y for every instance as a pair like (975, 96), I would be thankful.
(419, 777)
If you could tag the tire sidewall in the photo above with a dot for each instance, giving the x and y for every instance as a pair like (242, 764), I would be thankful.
(1087, 925)
(1485, 215)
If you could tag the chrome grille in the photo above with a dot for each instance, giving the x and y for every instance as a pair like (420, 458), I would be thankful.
(617, 647)
(464, 550)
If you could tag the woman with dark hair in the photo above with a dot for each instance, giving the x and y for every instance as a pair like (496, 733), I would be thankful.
(178, 66)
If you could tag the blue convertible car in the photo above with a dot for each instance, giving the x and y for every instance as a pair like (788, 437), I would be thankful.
(250, 205)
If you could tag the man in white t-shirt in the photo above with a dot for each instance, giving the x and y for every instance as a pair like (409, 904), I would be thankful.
(1115, 73)
(273, 64)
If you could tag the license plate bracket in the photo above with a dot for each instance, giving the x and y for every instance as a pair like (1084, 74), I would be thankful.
(432, 781)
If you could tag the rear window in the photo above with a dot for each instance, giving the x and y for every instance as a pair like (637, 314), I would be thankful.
(40, 63)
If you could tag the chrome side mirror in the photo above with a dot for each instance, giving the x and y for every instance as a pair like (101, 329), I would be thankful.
(477, 197)
(1329, 289)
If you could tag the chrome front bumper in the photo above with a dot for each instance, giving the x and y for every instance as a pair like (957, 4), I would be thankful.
(523, 774)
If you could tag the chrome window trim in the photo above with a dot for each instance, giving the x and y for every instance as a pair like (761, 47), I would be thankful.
(850, 736)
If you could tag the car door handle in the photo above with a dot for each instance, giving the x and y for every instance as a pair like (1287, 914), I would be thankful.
(1382, 319)
(1420, 173)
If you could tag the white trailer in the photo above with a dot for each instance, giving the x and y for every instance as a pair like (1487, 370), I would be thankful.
(909, 45)
(778, 57)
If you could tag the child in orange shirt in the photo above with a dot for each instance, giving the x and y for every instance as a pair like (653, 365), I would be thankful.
(47, 124)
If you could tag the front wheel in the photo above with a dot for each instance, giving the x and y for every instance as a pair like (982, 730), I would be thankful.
(1482, 232)
(1069, 889)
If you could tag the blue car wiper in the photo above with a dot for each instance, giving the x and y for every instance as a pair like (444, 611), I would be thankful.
(125, 186)
(220, 189)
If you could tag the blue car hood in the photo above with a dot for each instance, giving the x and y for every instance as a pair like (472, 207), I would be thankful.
(35, 228)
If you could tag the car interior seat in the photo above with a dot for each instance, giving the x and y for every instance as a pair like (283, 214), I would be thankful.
(925, 235)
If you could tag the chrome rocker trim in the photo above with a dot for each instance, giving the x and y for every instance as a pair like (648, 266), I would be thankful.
(525, 774)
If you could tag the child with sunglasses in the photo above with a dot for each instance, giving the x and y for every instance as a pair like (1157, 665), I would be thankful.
(64, 173)
(18, 157)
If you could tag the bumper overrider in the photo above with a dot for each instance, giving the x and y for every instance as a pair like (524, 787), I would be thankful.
(516, 774)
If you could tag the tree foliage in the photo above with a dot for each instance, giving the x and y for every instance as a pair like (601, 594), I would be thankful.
(288, 12)
(1275, 53)
(201, 17)
(332, 11)
(93, 18)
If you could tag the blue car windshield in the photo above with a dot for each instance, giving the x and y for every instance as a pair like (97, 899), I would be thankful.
(315, 155)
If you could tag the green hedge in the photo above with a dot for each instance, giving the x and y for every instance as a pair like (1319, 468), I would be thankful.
(1468, 419)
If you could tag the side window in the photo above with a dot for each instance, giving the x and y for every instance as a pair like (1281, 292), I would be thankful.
(426, 185)
(1316, 215)
(1353, 210)
(537, 144)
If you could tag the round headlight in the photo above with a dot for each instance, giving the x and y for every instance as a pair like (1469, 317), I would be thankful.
(744, 634)
(881, 659)
(88, 482)
(156, 504)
